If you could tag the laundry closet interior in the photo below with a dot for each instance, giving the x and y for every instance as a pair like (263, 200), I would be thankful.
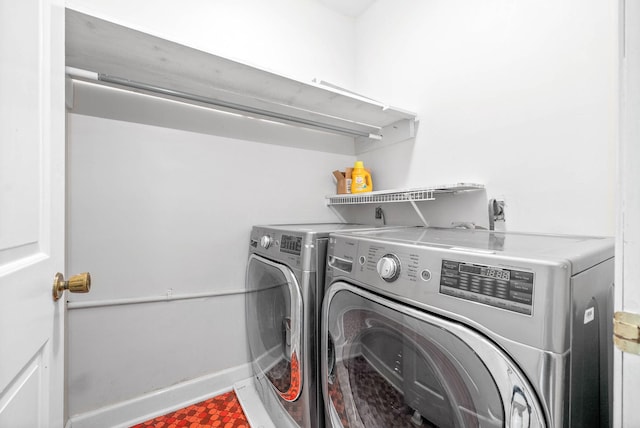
(472, 100)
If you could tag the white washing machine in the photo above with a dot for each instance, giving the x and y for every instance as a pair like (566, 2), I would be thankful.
(285, 285)
(467, 328)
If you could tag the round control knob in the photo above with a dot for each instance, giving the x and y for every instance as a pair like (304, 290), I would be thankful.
(266, 241)
(388, 267)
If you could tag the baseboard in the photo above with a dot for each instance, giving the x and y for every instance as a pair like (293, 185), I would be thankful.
(252, 406)
(160, 402)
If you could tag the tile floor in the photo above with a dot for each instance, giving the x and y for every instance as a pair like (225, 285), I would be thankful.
(222, 411)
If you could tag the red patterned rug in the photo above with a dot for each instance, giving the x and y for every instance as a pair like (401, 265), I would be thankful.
(223, 411)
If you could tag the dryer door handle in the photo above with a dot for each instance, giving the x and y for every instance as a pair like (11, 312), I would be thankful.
(286, 328)
(519, 416)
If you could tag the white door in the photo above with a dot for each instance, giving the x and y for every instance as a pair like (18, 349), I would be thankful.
(32, 180)
(626, 365)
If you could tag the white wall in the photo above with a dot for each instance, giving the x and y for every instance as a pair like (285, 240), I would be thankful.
(520, 96)
(162, 196)
(155, 212)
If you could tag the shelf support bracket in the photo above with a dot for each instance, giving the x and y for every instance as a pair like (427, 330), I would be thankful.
(397, 132)
(415, 207)
(337, 213)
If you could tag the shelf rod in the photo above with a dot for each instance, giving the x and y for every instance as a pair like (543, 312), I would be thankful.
(251, 111)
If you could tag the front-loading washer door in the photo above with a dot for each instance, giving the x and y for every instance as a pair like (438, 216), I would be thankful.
(274, 321)
(389, 365)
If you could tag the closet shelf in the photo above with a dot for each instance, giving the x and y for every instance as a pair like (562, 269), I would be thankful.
(398, 196)
(123, 57)
(407, 195)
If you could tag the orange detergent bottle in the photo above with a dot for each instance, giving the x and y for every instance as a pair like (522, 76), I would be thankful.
(360, 179)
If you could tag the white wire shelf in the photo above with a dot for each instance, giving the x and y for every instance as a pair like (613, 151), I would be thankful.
(407, 195)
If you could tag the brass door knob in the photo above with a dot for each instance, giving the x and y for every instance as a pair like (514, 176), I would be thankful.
(80, 283)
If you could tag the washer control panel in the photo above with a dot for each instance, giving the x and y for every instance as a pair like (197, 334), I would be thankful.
(281, 246)
(427, 275)
(503, 288)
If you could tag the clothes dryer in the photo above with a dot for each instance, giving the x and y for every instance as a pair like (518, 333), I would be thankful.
(285, 285)
(467, 328)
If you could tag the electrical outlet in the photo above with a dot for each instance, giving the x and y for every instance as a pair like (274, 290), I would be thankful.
(498, 210)
(378, 213)
(496, 214)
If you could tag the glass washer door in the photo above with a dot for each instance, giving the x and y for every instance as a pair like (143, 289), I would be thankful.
(389, 365)
(274, 321)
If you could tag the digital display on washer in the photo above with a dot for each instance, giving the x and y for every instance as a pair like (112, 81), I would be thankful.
(503, 288)
(291, 244)
(486, 271)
